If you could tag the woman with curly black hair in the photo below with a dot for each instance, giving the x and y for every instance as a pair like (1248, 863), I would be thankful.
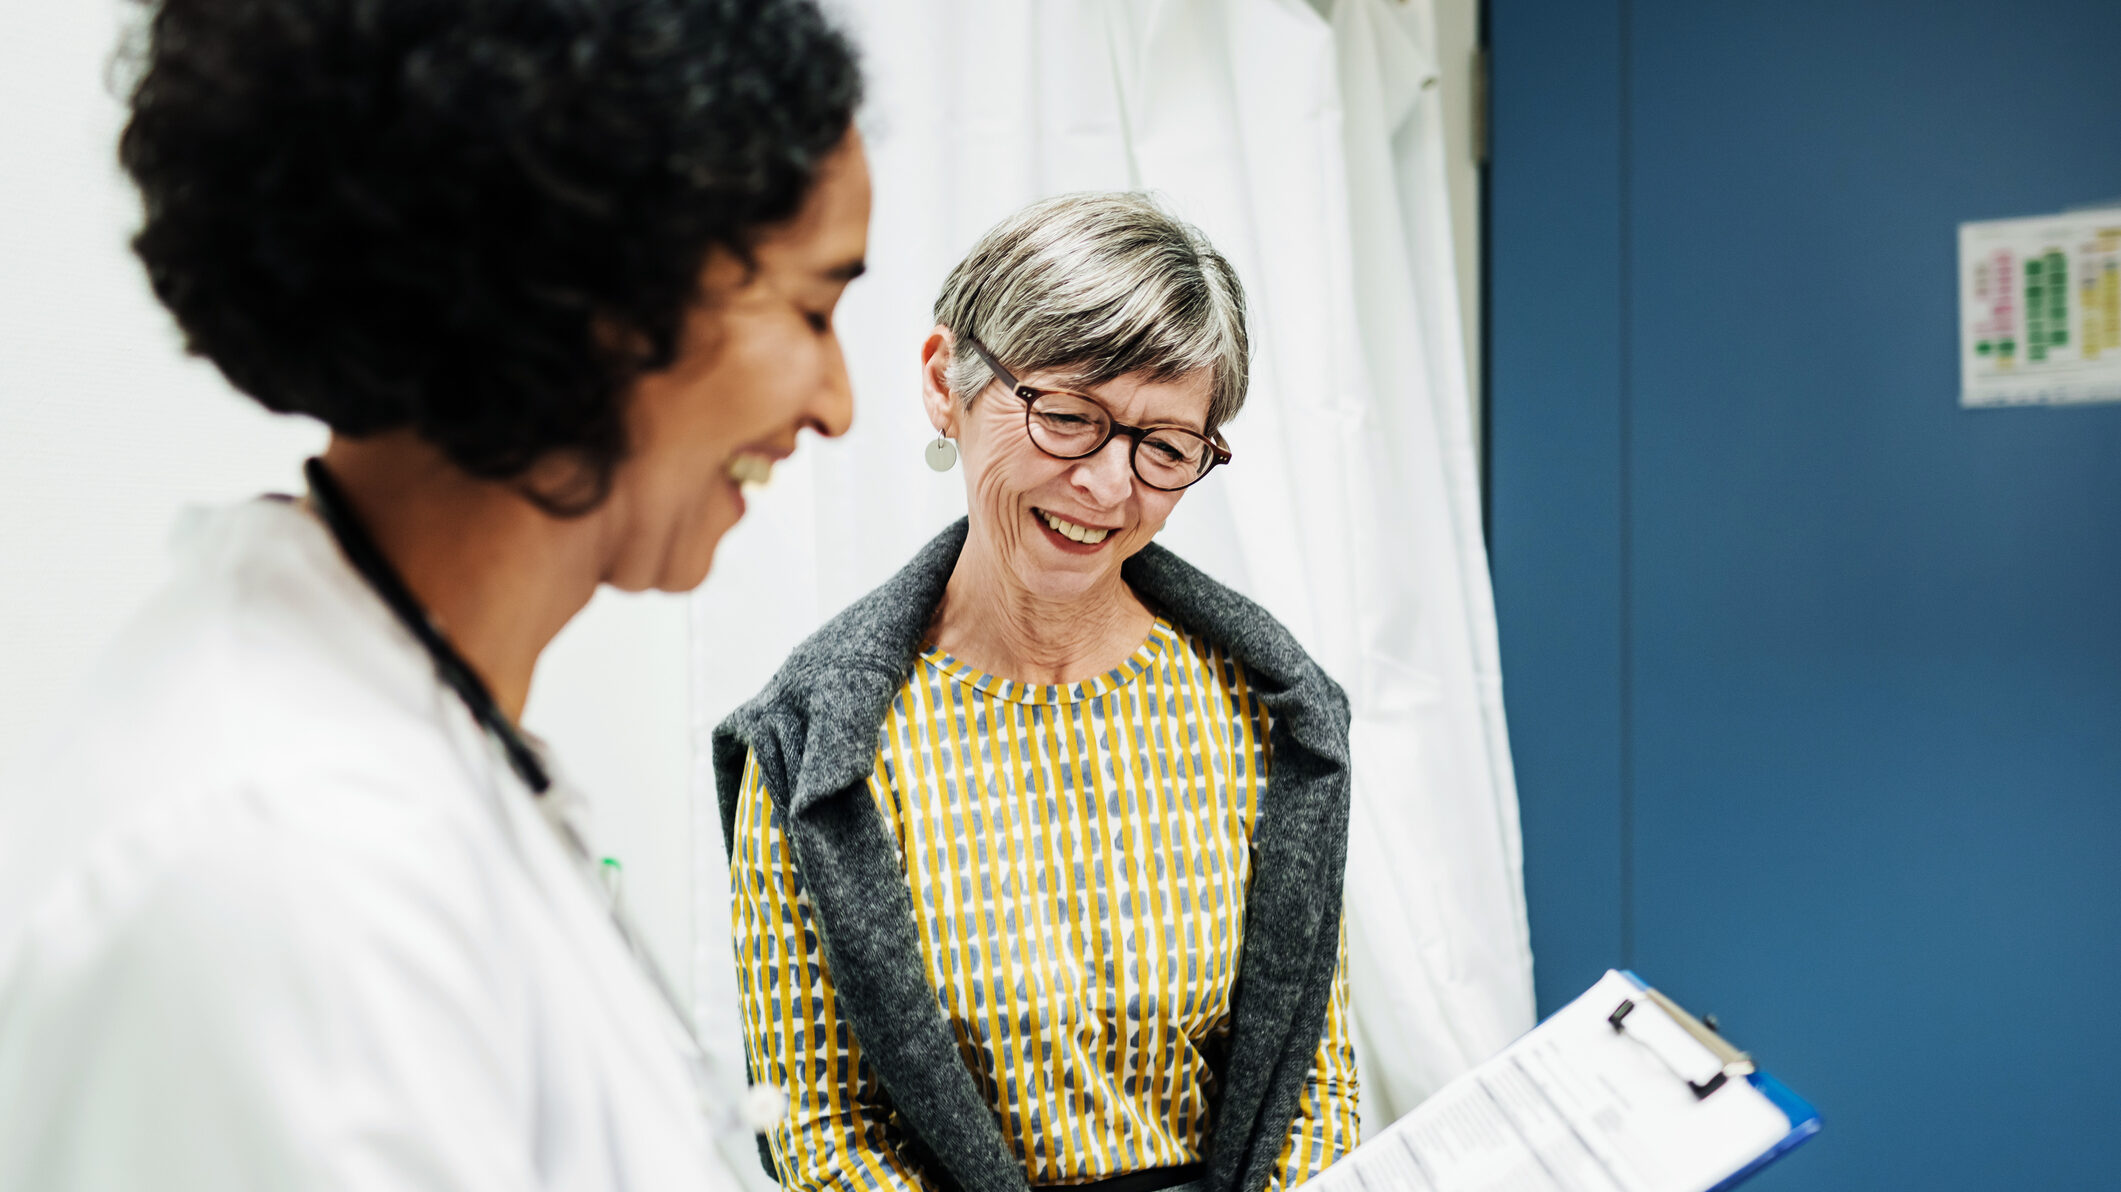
(559, 277)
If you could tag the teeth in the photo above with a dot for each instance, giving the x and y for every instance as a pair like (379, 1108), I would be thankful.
(1082, 534)
(751, 471)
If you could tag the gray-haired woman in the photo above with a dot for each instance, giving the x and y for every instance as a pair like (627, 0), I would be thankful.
(1037, 849)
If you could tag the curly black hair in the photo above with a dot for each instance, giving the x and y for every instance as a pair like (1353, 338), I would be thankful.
(482, 220)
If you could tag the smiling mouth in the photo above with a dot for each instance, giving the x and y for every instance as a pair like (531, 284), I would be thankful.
(750, 471)
(1070, 530)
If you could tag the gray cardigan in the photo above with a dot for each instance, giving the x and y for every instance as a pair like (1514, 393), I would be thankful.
(814, 730)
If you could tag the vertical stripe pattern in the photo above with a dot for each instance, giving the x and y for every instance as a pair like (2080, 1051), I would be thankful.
(1078, 857)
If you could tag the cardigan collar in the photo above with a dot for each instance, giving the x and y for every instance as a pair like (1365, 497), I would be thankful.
(813, 732)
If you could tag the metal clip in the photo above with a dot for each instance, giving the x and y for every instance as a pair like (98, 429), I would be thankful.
(1691, 1050)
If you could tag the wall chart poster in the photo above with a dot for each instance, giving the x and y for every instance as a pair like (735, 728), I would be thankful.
(2040, 310)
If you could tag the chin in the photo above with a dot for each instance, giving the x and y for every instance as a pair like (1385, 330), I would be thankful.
(682, 566)
(693, 570)
(692, 555)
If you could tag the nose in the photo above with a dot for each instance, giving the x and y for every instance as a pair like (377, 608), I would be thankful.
(831, 408)
(1107, 474)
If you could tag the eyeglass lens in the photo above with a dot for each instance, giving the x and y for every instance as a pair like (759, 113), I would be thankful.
(1071, 427)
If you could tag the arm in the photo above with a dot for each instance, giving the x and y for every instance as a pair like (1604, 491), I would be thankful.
(1326, 1125)
(833, 1135)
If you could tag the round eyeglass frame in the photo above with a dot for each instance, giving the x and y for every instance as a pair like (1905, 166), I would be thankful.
(1029, 395)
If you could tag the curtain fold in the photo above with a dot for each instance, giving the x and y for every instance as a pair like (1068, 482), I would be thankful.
(1307, 142)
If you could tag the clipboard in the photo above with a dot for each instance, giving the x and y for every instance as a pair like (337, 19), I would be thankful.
(1622, 1090)
(1729, 1063)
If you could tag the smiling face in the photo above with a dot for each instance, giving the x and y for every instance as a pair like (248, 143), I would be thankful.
(759, 362)
(1059, 528)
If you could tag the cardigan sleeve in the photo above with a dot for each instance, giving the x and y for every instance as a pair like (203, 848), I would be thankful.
(834, 1135)
(1326, 1124)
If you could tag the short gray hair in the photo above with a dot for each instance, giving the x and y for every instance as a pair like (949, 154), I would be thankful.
(1099, 285)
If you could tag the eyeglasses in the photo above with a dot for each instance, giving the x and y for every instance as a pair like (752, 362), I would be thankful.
(1068, 425)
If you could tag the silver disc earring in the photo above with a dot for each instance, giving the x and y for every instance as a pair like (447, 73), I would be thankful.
(942, 454)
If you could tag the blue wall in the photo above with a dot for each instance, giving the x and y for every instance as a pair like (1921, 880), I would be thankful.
(1814, 678)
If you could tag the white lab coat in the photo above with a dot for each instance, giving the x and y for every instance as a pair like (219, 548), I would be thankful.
(275, 915)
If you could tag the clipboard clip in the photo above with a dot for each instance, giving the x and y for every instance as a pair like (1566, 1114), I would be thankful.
(1694, 1052)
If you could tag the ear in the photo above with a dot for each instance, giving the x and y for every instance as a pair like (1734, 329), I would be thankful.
(942, 405)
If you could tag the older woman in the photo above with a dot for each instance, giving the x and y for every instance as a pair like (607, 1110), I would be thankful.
(1037, 849)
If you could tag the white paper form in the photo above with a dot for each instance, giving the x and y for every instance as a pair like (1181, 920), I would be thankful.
(2040, 310)
(1573, 1106)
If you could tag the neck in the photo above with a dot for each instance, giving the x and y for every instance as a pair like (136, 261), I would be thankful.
(498, 576)
(990, 622)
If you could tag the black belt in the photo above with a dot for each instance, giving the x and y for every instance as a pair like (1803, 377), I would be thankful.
(1155, 1179)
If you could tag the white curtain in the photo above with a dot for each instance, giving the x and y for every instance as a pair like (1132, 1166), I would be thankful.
(1306, 141)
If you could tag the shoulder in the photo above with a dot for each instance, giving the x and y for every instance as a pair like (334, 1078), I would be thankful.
(1204, 607)
(881, 630)
(215, 708)
(820, 711)
(251, 863)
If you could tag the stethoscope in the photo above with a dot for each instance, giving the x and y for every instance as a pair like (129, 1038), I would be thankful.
(331, 507)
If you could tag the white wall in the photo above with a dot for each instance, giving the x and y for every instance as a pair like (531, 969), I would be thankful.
(105, 427)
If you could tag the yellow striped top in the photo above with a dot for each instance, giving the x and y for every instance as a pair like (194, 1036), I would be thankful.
(1079, 856)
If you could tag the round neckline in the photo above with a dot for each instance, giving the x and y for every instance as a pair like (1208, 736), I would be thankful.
(1017, 691)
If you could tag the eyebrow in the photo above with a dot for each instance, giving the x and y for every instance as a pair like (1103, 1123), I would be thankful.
(846, 271)
(1184, 424)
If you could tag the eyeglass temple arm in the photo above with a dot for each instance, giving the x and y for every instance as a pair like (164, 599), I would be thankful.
(987, 358)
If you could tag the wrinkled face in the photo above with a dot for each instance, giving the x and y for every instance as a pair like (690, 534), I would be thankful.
(760, 362)
(1060, 528)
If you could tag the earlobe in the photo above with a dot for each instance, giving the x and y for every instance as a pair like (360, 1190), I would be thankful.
(942, 414)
